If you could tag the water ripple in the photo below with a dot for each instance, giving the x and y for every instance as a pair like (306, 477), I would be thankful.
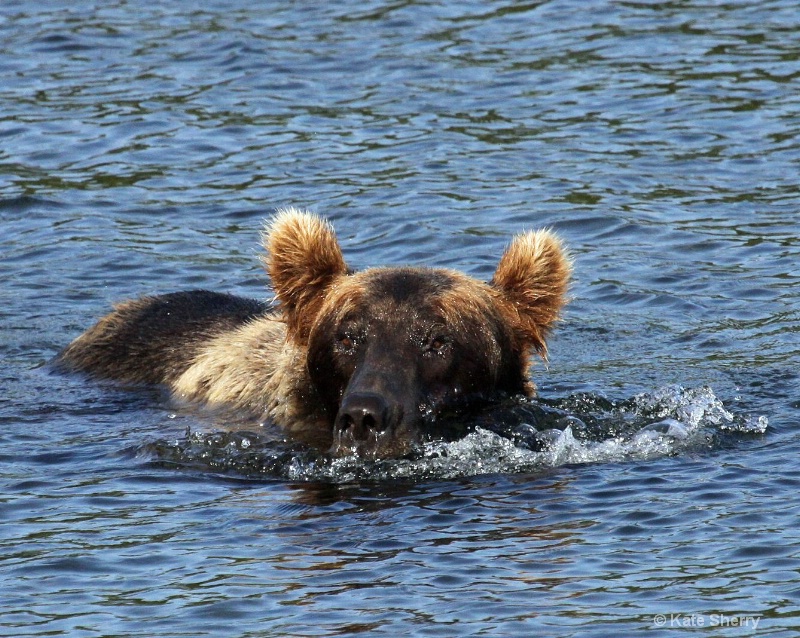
(144, 143)
(527, 438)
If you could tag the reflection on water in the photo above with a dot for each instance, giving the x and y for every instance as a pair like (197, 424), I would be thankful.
(142, 144)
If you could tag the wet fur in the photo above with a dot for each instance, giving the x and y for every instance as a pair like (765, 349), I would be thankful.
(284, 364)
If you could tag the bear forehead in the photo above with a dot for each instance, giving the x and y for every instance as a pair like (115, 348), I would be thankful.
(406, 285)
(410, 294)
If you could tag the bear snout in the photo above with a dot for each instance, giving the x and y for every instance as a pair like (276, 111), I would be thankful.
(363, 415)
(369, 425)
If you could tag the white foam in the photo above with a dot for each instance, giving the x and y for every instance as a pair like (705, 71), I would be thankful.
(666, 422)
(662, 423)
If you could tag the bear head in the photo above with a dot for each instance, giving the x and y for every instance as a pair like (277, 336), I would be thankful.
(392, 350)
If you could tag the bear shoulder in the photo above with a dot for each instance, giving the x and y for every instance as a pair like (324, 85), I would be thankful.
(154, 339)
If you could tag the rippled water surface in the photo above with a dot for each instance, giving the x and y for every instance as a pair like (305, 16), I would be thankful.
(651, 489)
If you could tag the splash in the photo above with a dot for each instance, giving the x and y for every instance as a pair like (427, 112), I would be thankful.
(528, 436)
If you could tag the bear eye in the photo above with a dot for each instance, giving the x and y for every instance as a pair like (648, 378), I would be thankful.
(437, 344)
(346, 343)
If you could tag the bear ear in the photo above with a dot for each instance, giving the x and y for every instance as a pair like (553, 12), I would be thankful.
(532, 277)
(303, 259)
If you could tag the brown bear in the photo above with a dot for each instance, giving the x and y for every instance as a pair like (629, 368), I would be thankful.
(351, 362)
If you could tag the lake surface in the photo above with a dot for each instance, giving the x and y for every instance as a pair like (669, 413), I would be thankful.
(653, 488)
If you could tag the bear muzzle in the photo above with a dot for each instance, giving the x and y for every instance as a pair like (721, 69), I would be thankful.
(372, 426)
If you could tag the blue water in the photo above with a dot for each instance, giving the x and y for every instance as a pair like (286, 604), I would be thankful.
(651, 490)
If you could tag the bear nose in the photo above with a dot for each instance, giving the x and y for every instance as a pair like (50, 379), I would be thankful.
(362, 414)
